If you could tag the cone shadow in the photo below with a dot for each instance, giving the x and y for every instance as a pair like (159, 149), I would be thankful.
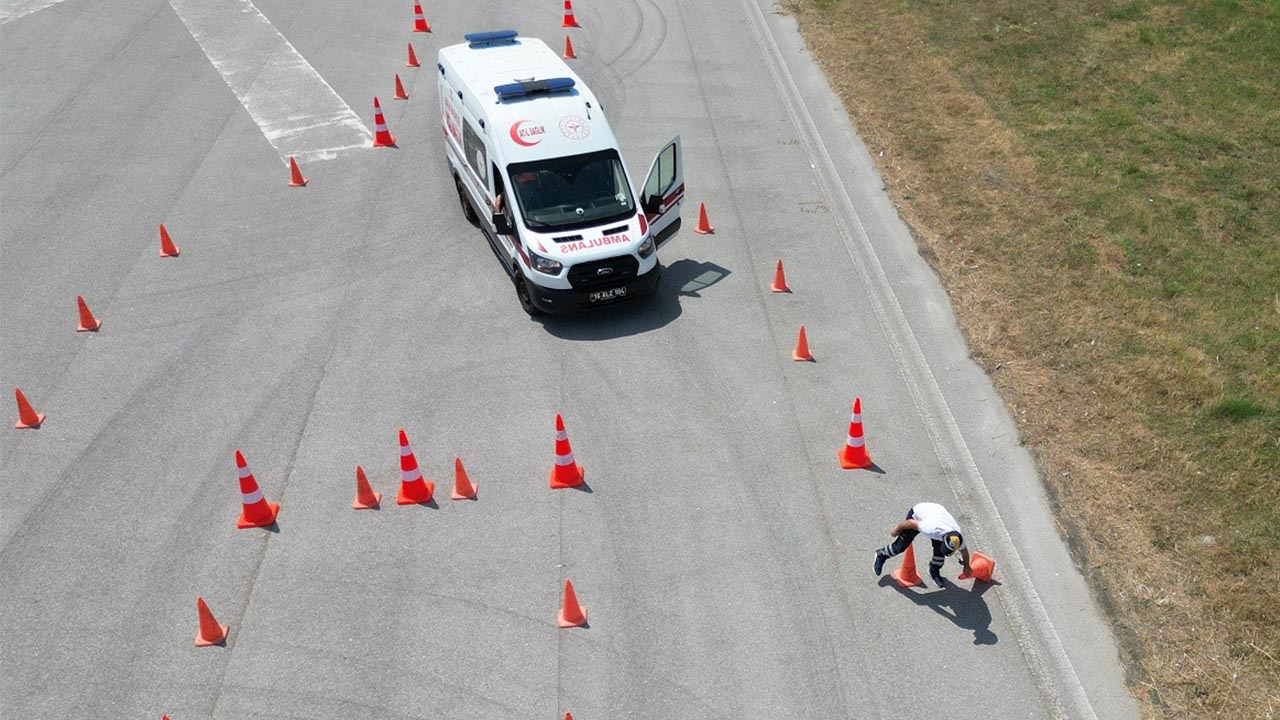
(965, 608)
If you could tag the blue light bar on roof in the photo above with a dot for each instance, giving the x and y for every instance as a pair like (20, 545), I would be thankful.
(524, 88)
(491, 38)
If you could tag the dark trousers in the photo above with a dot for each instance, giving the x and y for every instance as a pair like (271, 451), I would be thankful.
(905, 538)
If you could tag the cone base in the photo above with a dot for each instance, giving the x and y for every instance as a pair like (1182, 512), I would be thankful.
(574, 481)
(783, 289)
(30, 426)
(358, 505)
(455, 495)
(204, 642)
(802, 358)
(389, 142)
(847, 463)
(564, 622)
(89, 328)
(298, 184)
(416, 496)
(905, 581)
(705, 231)
(175, 252)
(570, 23)
(245, 522)
(424, 28)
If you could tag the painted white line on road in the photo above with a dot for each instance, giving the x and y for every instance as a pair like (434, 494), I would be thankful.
(297, 111)
(14, 9)
(1042, 647)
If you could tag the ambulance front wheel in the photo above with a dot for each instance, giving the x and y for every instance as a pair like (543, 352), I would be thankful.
(468, 211)
(522, 293)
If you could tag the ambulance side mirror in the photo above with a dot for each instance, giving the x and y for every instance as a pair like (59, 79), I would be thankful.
(651, 204)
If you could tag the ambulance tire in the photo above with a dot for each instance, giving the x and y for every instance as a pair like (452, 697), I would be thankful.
(522, 294)
(468, 211)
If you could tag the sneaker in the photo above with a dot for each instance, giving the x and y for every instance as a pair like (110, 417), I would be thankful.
(879, 566)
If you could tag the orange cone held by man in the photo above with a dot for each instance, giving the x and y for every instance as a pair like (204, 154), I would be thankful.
(463, 488)
(88, 323)
(381, 135)
(569, 19)
(28, 418)
(257, 511)
(906, 576)
(366, 498)
(566, 473)
(779, 281)
(854, 453)
(571, 613)
(210, 633)
(419, 20)
(980, 567)
(167, 248)
(413, 489)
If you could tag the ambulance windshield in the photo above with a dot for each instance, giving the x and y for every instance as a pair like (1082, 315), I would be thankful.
(572, 192)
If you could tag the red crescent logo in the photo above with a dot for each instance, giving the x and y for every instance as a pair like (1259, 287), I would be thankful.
(534, 134)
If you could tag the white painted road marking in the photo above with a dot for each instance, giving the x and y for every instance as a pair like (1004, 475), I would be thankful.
(295, 108)
(14, 9)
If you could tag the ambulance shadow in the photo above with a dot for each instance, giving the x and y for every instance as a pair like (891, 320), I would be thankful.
(683, 278)
(965, 608)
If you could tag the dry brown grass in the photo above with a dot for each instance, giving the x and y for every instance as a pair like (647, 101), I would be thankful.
(1109, 387)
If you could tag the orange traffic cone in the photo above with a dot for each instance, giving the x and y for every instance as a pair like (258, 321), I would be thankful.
(413, 489)
(854, 454)
(381, 136)
(779, 281)
(565, 473)
(568, 716)
(257, 511)
(569, 54)
(980, 567)
(801, 353)
(571, 613)
(28, 418)
(704, 227)
(419, 22)
(167, 248)
(569, 19)
(400, 93)
(413, 59)
(906, 576)
(463, 488)
(295, 175)
(366, 498)
(211, 633)
(88, 323)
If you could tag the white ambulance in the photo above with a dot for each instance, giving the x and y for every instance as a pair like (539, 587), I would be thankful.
(538, 170)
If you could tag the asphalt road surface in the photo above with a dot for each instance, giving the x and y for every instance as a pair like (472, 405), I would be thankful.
(723, 556)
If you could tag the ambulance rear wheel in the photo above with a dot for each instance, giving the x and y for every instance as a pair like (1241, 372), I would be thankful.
(468, 211)
(522, 294)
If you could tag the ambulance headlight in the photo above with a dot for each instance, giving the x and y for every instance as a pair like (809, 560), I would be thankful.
(546, 266)
(646, 247)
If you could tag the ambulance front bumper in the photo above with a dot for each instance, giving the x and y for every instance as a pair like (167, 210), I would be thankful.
(598, 292)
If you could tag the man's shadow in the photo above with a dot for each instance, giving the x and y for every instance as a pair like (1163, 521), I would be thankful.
(965, 608)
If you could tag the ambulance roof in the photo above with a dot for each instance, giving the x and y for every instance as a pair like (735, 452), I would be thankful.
(534, 127)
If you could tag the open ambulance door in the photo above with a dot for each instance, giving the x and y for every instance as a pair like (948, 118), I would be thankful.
(663, 192)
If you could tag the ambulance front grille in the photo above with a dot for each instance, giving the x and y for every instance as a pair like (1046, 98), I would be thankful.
(617, 271)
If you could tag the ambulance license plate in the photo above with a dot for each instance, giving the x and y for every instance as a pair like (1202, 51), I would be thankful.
(609, 294)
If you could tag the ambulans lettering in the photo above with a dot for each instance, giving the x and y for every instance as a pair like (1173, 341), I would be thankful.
(622, 239)
(526, 134)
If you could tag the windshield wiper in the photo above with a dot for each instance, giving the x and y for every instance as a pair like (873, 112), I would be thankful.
(537, 223)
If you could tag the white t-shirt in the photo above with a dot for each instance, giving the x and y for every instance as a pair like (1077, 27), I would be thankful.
(935, 521)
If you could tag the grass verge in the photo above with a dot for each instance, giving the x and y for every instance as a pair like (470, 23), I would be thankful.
(1098, 186)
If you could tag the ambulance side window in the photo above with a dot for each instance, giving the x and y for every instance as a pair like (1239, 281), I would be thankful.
(474, 148)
